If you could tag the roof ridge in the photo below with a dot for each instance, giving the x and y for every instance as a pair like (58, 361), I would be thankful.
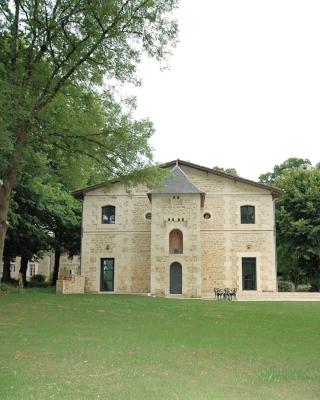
(185, 175)
(276, 192)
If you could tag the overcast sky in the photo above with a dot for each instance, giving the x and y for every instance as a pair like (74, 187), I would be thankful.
(243, 90)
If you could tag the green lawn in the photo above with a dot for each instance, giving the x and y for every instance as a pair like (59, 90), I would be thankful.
(130, 347)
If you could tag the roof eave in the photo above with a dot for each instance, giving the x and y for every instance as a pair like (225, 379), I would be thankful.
(275, 191)
(79, 194)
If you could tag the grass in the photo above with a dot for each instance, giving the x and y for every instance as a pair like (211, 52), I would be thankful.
(130, 347)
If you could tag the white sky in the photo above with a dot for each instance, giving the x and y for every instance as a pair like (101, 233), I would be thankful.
(243, 90)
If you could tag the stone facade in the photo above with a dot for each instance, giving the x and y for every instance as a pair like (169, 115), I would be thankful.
(213, 248)
(44, 266)
(74, 284)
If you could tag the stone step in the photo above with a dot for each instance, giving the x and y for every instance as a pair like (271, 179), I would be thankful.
(279, 296)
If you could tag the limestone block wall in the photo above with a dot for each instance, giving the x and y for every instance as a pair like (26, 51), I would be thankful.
(213, 248)
(127, 241)
(183, 213)
(225, 241)
(222, 254)
(71, 286)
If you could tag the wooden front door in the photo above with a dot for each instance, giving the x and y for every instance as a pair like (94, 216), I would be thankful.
(107, 275)
(175, 278)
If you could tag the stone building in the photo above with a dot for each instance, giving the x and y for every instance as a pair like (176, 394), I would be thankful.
(44, 266)
(203, 229)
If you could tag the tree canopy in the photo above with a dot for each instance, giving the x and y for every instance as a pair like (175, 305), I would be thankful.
(56, 58)
(44, 217)
(230, 171)
(271, 178)
(298, 219)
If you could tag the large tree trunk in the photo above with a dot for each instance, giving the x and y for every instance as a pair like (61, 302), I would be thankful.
(23, 271)
(6, 276)
(8, 181)
(5, 194)
(57, 255)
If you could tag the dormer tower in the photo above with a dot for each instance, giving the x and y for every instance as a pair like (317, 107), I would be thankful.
(175, 236)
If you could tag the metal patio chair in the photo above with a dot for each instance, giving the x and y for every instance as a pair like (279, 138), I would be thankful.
(233, 293)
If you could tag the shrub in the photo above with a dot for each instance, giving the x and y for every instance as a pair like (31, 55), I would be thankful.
(9, 288)
(285, 286)
(38, 280)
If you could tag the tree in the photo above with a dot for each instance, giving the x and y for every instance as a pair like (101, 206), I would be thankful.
(230, 171)
(45, 217)
(54, 57)
(62, 216)
(298, 219)
(279, 170)
(289, 264)
(27, 236)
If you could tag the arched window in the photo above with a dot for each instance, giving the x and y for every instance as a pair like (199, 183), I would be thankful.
(247, 215)
(176, 242)
(108, 215)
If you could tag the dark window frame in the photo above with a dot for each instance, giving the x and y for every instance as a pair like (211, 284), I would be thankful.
(249, 273)
(247, 216)
(175, 278)
(110, 216)
(107, 285)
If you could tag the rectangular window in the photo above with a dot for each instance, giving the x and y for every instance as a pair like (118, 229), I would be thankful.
(247, 214)
(108, 215)
(107, 275)
(32, 269)
(249, 273)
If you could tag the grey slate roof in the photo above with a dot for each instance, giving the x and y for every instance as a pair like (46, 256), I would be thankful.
(177, 182)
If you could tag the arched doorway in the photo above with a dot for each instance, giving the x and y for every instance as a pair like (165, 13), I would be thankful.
(175, 278)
